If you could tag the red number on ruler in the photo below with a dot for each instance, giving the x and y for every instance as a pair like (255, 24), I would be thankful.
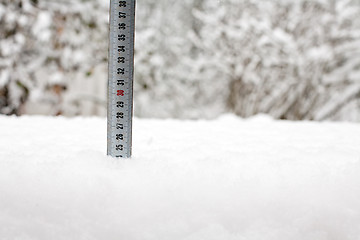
(120, 93)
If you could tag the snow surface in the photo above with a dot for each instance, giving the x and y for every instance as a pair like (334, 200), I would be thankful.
(227, 179)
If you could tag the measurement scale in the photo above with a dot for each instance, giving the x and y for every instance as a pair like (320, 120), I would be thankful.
(121, 72)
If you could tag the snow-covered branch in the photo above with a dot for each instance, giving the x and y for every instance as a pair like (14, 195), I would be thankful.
(290, 59)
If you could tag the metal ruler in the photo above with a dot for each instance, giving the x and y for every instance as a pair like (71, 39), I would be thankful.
(121, 72)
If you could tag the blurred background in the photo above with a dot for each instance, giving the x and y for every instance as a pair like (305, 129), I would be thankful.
(291, 59)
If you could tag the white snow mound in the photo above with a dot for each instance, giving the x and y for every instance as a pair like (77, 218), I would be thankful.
(227, 179)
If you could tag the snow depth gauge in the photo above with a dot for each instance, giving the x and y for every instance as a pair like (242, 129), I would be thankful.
(121, 72)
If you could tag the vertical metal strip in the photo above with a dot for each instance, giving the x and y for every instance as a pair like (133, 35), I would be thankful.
(121, 73)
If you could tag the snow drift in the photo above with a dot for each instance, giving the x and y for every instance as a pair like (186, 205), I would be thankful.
(228, 179)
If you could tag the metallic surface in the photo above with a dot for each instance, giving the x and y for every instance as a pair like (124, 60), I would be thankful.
(121, 72)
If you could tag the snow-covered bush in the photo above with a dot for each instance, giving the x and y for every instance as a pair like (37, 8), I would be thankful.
(292, 59)
(165, 84)
(194, 58)
(46, 48)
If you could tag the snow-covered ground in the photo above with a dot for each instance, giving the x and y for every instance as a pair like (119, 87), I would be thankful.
(227, 179)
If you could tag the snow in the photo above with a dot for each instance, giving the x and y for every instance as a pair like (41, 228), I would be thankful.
(41, 27)
(4, 78)
(226, 179)
(290, 59)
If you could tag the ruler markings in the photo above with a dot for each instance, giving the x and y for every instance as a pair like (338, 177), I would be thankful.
(121, 69)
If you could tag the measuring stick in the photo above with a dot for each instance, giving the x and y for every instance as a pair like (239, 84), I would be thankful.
(121, 72)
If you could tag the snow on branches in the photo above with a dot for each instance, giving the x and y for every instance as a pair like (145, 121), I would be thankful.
(44, 46)
(290, 59)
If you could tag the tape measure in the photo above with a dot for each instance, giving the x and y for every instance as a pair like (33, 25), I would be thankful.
(121, 74)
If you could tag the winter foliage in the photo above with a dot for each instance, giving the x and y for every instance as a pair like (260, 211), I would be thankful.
(291, 59)
(48, 48)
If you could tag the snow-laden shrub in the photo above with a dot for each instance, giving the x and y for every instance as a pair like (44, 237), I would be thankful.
(165, 75)
(45, 48)
(291, 59)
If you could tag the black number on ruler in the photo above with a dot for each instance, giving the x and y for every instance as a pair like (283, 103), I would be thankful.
(121, 37)
(120, 104)
(119, 115)
(121, 59)
(119, 126)
(122, 3)
(121, 48)
(119, 147)
(121, 71)
(119, 137)
(122, 26)
(122, 15)
(121, 82)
